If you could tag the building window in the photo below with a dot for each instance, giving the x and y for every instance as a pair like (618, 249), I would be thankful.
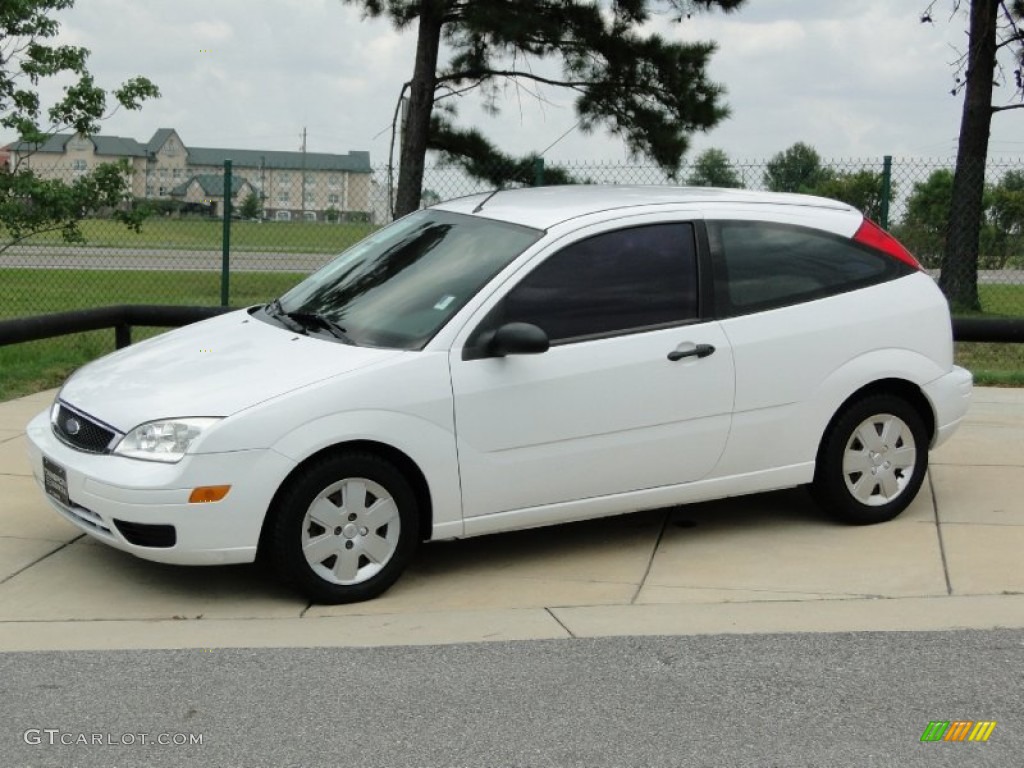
(178, 172)
(163, 192)
(284, 178)
(79, 165)
(309, 215)
(334, 181)
(284, 216)
(284, 197)
(334, 199)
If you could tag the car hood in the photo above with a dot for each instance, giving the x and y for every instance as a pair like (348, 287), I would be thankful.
(213, 368)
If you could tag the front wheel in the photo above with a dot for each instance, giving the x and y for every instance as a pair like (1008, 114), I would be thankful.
(344, 528)
(872, 461)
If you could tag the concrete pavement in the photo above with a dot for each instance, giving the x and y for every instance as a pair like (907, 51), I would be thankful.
(764, 563)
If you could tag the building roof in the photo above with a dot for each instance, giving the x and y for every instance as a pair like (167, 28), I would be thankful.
(116, 145)
(211, 184)
(353, 162)
(154, 144)
(105, 145)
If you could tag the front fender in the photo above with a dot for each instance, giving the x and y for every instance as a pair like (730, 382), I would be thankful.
(429, 446)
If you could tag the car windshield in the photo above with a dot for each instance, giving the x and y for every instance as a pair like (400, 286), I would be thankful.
(399, 286)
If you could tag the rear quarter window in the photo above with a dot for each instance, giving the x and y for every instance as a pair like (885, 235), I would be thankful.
(764, 265)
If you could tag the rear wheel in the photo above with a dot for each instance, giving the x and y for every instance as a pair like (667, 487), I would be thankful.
(872, 461)
(345, 528)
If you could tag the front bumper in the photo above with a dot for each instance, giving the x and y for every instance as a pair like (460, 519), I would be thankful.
(105, 490)
(950, 396)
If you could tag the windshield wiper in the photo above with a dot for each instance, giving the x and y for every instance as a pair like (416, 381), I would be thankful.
(317, 320)
(275, 311)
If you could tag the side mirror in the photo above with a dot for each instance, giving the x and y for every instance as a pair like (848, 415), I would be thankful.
(518, 339)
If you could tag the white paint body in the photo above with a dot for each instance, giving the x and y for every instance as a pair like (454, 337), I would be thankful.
(583, 430)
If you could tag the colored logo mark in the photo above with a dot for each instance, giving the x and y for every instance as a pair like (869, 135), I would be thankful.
(958, 730)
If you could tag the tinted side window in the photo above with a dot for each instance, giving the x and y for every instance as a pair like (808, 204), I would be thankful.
(761, 265)
(616, 281)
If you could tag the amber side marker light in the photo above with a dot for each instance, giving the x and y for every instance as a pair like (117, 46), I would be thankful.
(207, 493)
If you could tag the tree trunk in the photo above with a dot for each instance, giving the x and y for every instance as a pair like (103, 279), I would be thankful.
(959, 278)
(421, 105)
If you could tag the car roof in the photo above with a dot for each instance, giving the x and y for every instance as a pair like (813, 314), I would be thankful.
(543, 207)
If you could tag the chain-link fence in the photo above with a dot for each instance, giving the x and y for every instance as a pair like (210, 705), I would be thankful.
(286, 222)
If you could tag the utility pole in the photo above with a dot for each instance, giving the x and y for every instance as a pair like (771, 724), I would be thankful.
(303, 179)
(263, 187)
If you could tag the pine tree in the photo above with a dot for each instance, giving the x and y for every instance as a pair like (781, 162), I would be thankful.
(651, 92)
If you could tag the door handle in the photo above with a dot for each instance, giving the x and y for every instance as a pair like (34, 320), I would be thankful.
(701, 350)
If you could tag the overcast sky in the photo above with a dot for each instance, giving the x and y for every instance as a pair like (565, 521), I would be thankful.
(855, 79)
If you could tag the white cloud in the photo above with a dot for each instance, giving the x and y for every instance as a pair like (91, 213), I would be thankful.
(853, 78)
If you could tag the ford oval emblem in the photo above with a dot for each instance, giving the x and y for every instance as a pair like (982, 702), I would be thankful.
(72, 426)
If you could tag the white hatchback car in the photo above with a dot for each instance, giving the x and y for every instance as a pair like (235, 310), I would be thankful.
(511, 360)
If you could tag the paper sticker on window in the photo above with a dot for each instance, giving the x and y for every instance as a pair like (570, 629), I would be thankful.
(444, 302)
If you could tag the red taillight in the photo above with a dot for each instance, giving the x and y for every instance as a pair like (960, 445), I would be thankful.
(872, 235)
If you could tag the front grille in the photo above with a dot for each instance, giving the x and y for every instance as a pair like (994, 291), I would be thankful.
(146, 535)
(81, 432)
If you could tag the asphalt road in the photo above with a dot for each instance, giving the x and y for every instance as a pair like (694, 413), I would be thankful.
(741, 700)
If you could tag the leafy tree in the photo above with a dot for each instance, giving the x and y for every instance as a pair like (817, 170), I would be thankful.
(862, 189)
(250, 207)
(923, 229)
(650, 91)
(1008, 203)
(925, 226)
(30, 204)
(797, 169)
(994, 26)
(712, 168)
(1006, 214)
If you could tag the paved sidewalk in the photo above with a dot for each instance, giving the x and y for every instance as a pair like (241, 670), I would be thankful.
(762, 563)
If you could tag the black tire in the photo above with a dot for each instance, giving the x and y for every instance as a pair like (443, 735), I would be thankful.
(872, 487)
(357, 544)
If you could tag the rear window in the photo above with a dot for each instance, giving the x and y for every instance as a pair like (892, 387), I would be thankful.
(762, 265)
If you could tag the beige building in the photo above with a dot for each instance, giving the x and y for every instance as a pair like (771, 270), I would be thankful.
(313, 186)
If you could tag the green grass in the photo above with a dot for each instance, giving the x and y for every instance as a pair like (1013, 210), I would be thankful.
(993, 365)
(38, 365)
(1001, 300)
(35, 291)
(206, 234)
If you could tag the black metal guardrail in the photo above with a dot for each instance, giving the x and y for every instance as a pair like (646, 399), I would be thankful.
(123, 316)
(1008, 330)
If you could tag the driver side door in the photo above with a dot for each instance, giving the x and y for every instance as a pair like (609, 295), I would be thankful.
(608, 408)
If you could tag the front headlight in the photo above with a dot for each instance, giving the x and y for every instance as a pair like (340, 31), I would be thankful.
(164, 440)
